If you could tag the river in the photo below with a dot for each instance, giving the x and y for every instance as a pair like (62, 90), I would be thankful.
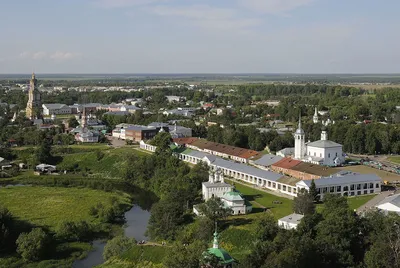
(135, 227)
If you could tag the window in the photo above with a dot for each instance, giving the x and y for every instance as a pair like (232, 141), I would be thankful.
(336, 154)
(346, 188)
(352, 187)
(377, 185)
(352, 193)
(365, 191)
(358, 186)
(279, 186)
(284, 187)
(329, 155)
(339, 188)
(371, 191)
(365, 186)
(358, 192)
(318, 190)
(325, 189)
(332, 189)
(371, 185)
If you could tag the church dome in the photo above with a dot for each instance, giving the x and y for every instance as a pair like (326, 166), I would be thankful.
(300, 131)
(222, 254)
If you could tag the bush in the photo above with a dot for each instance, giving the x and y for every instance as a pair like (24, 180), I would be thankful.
(74, 231)
(117, 246)
(32, 246)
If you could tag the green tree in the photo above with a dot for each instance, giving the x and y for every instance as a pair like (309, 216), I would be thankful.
(214, 209)
(43, 153)
(162, 140)
(166, 218)
(266, 228)
(32, 246)
(313, 192)
(6, 224)
(74, 231)
(303, 203)
(181, 256)
(72, 122)
(117, 246)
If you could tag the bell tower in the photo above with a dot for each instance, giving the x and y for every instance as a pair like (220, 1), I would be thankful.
(299, 142)
(34, 105)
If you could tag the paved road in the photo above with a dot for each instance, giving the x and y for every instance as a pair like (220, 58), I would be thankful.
(374, 201)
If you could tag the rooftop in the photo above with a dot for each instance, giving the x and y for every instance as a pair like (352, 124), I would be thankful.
(287, 163)
(350, 179)
(268, 160)
(323, 144)
(292, 218)
(315, 169)
(394, 200)
(233, 196)
(288, 180)
(184, 141)
(225, 149)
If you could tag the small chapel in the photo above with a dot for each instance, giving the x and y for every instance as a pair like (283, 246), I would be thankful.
(216, 187)
(225, 260)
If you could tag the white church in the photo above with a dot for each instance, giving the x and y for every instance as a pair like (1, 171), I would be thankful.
(216, 187)
(322, 152)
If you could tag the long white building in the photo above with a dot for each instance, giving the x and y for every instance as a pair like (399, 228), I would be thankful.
(346, 184)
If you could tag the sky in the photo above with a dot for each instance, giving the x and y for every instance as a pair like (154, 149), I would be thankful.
(199, 36)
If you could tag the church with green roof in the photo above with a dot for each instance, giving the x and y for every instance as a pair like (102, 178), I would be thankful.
(225, 260)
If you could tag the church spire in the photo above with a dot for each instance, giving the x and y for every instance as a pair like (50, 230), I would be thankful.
(299, 127)
(84, 118)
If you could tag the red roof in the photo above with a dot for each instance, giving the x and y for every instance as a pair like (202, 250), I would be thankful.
(183, 141)
(287, 163)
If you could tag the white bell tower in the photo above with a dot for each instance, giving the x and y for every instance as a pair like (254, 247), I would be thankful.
(315, 117)
(299, 142)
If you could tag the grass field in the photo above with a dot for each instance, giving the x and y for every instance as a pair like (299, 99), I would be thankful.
(49, 206)
(386, 176)
(394, 159)
(265, 199)
(155, 254)
(109, 165)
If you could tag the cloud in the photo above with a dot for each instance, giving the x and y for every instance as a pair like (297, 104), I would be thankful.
(206, 16)
(59, 55)
(125, 3)
(41, 55)
(273, 6)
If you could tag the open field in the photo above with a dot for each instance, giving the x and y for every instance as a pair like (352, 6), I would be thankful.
(108, 164)
(386, 176)
(49, 206)
(265, 199)
(394, 159)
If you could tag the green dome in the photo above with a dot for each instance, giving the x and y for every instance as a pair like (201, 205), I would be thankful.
(222, 255)
(233, 196)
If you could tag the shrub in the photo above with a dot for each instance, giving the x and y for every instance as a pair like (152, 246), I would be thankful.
(74, 231)
(32, 246)
(117, 246)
